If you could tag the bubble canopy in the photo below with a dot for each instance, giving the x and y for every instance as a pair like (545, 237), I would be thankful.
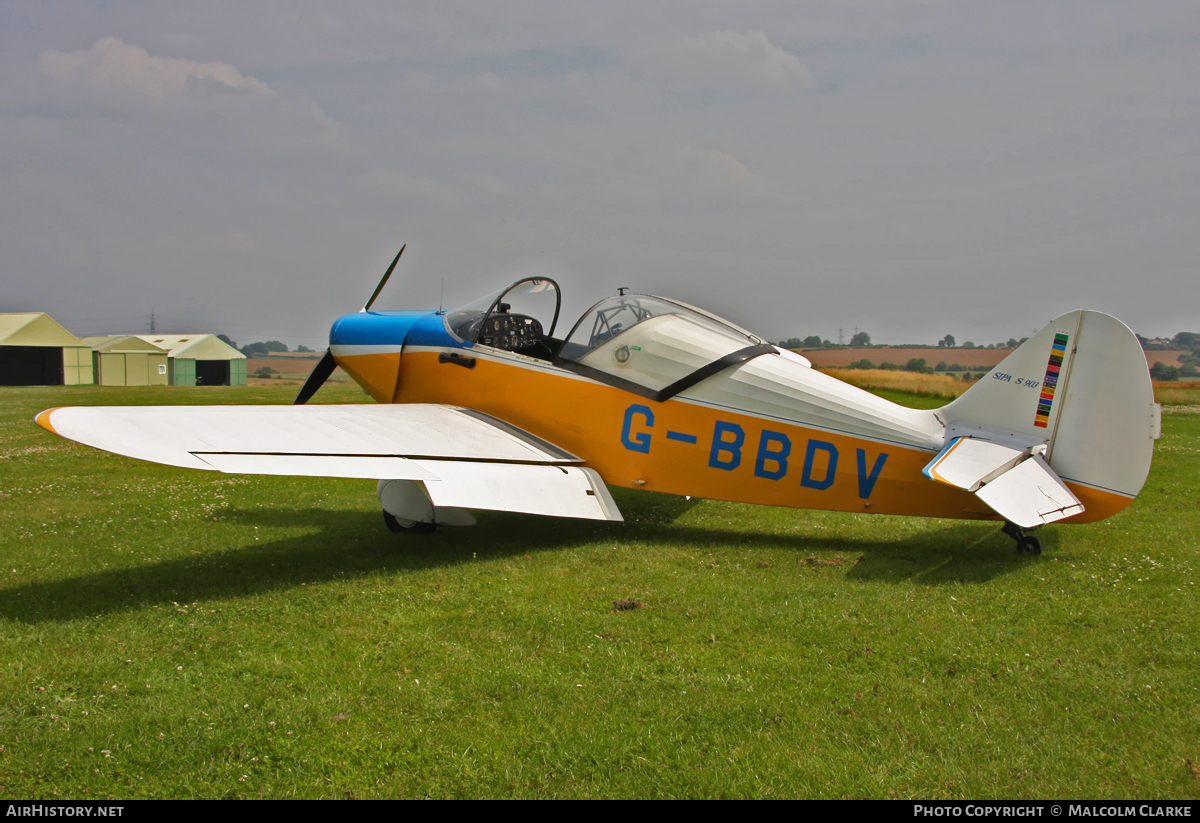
(653, 346)
(648, 345)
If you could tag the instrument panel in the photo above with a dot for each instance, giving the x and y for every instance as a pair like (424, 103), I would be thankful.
(510, 332)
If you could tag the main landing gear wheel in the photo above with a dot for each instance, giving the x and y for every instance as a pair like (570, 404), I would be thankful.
(1026, 543)
(414, 527)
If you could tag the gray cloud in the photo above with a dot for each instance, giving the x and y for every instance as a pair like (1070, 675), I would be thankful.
(913, 169)
(729, 60)
(113, 64)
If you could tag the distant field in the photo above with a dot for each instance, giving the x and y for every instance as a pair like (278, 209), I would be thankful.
(946, 388)
(1171, 358)
(1177, 393)
(941, 386)
(297, 367)
(286, 365)
(968, 358)
(298, 355)
(175, 633)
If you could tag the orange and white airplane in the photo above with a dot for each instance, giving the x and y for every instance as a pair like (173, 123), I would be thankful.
(486, 408)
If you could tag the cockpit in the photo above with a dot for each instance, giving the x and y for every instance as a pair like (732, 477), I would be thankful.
(648, 345)
(512, 319)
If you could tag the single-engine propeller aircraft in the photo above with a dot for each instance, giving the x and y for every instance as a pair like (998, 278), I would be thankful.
(484, 407)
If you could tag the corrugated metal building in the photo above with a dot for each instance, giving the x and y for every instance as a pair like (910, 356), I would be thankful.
(126, 360)
(37, 351)
(200, 359)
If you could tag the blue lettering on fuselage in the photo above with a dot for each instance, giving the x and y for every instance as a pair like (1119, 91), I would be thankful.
(771, 458)
(866, 482)
(810, 456)
(767, 454)
(639, 442)
(721, 445)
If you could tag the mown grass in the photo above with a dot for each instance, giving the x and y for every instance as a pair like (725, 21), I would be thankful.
(166, 633)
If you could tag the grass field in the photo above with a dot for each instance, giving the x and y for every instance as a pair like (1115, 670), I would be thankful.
(937, 386)
(907, 387)
(972, 359)
(289, 366)
(166, 633)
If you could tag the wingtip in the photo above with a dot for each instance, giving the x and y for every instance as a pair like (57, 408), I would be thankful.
(43, 419)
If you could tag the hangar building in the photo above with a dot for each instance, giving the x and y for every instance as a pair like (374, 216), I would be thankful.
(200, 359)
(36, 351)
(126, 360)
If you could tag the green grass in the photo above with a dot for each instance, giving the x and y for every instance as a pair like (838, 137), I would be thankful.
(1170, 395)
(166, 633)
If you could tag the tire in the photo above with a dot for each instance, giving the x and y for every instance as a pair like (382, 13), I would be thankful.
(396, 527)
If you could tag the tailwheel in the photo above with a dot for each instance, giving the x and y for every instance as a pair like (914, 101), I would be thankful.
(397, 526)
(1026, 543)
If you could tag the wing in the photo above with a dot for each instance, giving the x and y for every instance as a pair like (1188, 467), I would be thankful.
(1018, 484)
(464, 458)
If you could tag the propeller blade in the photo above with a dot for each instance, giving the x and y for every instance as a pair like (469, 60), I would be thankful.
(383, 282)
(326, 365)
(316, 378)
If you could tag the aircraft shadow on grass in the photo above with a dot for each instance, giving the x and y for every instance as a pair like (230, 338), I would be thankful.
(357, 544)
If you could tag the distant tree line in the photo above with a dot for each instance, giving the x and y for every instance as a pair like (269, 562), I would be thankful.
(267, 348)
(261, 349)
(1188, 342)
(810, 342)
(863, 340)
(918, 365)
(1189, 359)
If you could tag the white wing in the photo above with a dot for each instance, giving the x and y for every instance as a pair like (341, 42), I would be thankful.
(465, 458)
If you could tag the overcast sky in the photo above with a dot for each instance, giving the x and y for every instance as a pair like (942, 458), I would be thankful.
(908, 168)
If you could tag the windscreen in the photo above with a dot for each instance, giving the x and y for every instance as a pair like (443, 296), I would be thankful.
(535, 297)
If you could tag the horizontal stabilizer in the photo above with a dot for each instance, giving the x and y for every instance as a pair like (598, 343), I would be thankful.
(1017, 485)
(969, 462)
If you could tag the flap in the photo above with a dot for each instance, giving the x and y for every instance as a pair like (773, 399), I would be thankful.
(559, 491)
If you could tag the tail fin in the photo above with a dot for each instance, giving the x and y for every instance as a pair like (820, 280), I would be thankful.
(1081, 387)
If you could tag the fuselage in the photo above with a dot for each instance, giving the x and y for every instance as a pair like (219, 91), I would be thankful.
(770, 431)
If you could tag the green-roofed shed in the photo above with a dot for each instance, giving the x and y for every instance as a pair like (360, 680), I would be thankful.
(127, 360)
(200, 359)
(36, 351)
